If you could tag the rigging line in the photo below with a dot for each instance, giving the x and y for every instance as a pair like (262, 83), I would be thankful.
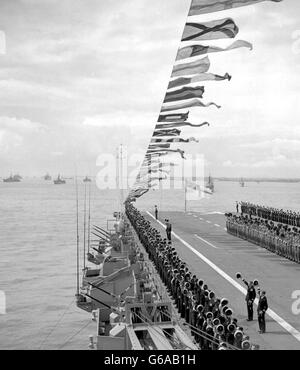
(204, 334)
(77, 234)
(175, 341)
(55, 326)
(84, 226)
(103, 290)
(214, 342)
(89, 219)
(149, 323)
(74, 335)
(188, 325)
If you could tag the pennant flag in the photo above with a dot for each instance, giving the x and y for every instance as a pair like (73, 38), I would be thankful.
(158, 153)
(151, 155)
(176, 117)
(151, 170)
(161, 165)
(218, 29)
(149, 162)
(179, 124)
(172, 132)
(153, 185)
(158, 178)
(201, 77)
(170, 150)
(174, 140)
(159, 146)
(209, 6)
(138, 193)
(188, 104)
(194, 50)
(184, 93)
(192, 68)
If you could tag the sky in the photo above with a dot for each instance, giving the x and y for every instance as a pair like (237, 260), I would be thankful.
(78, 78)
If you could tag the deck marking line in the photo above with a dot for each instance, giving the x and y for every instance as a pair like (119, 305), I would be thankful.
(205, 241)
(289, 328)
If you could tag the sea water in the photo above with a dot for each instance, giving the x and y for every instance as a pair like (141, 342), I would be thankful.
(38, 250)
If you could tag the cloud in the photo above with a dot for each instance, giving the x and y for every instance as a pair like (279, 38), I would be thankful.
(21, 125)
(79, 78)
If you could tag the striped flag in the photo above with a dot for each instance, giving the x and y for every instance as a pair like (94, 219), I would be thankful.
(209, 6)
(155, 146)
(201, 77)
(175, 140)
(152, 155)
(139, 192)
(179, 124)
(161, 165)
(158, 178)
(148, 162)
(176, 117)
(171, 132)
(217, 29)
(181, 152)
(198, 66)
(195, 50)
(184, 93)
(188, 104)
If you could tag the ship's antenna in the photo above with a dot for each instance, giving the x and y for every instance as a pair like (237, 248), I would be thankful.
(84, 225)
(89, 220)
(121, 175)
(183, 181)
(77, 234)
(118, 176)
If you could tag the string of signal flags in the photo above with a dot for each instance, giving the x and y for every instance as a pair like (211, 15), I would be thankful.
(191, 66)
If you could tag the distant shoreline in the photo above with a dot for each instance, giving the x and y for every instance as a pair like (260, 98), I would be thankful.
(250, 179)
(245, 179)
(228, 179)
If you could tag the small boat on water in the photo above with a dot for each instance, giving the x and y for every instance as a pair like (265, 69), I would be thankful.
(11, 178)
(210, 184)
(87, 179)
(47, 177)
(59, 181)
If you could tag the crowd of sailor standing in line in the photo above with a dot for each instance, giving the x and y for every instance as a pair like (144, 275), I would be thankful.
(273, 229)
(210, 319)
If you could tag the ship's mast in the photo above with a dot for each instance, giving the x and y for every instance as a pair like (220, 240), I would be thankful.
(77, 236)
(84, 226)
(89, 220)
(121, 176)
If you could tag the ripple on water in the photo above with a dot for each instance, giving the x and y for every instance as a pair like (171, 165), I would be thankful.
(38, 239)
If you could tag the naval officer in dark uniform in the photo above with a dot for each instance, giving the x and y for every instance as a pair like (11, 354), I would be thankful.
(156, 212)
(250, 297)
(168, 230)
(261, 310)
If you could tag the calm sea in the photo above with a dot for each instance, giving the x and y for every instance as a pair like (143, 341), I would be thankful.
(38, 251)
